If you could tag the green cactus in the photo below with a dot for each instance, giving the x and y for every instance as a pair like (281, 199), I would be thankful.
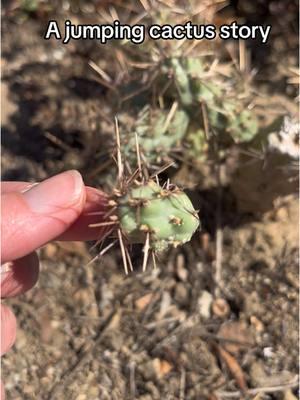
(167, 215)
(228, 117)
(192, 87)
(29, 5)
(231, 121)
(182, 82)
(157, 138)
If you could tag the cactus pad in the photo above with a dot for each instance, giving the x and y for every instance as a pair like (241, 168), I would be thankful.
(167, 215)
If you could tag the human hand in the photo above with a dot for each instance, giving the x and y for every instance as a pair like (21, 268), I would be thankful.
(32, 215)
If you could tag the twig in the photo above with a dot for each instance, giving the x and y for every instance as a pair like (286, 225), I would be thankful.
(242, 55)
(129, 259)
(154, 260)
(123, 251)
(102, 252)
(100, 71)
(58, 142)
(153, 325)
(205, 121)
(145, 4)
(219, 252)
(132, 380)
(170, 116)
(162, 169)
(265, 389)
(138, 155)
(146, 252)
(234, 368)
(99, 169)
(219, 232)
(182, 384)
(119, 156)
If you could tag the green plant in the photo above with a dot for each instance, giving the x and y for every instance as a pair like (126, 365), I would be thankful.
(159, 132)
(141, 211)
(225, 103)
(29, 6)
(166, 215)
(198, 101)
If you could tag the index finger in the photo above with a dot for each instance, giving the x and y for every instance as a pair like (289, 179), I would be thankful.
(94, 211)
(7, 187)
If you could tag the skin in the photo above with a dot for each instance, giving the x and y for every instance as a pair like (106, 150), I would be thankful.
(33, 215)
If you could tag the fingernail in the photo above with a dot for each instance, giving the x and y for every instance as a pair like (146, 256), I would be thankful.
(56, 193)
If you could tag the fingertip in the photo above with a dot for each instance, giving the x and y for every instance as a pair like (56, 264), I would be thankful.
(40, 214)
(63, 191)
(95, 208)
(95, 199)
(8, 328)
(21, 276)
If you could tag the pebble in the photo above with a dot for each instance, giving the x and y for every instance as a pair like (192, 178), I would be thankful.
(181, 295)
(204, 304)
(220, 308)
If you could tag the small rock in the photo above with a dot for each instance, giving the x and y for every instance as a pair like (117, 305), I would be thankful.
(50, 371)
(164, 368)
(204, 304)
(28, 389)
(220, 308)
(181, 271)
(81, 397)
(165, 304)
(45, 381)
(94, 392)
(258, 325)
(149, 368)
(282, 214)
(181, 295)
(143, 301)
(268, 352)
(50, 250)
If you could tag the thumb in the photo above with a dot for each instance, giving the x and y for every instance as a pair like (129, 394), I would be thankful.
(38, 215)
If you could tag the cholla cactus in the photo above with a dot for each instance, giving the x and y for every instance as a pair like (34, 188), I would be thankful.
(141, 211)
(162, 131)
(191, 80)
(228, 116)
(159, 132)
(166, 215)
(189, 73)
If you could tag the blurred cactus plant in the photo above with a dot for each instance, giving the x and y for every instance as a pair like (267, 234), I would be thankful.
(227, 115)
(194, 87)
(159, 131)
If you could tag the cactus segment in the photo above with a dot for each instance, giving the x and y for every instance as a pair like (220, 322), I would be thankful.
(157, 139)
(182, 82)
(168, 216)
(228, 117)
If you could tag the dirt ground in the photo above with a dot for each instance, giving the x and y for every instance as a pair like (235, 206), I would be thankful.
(190, 329)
